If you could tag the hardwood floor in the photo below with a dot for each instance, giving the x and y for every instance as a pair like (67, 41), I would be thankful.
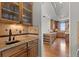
(58, 49)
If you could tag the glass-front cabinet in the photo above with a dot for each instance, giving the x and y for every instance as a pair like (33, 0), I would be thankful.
(27, 12)
(16, 12)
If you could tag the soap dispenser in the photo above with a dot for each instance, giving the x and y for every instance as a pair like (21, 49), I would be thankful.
(10, 34)
(13, 38)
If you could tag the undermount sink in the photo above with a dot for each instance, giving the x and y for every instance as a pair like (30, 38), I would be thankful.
(12, 42)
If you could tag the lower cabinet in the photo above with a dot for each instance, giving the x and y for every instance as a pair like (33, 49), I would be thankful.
(29, 49)
(0, 54)
(49, 38)
(33, 52)
(18, 51)
(33, 48)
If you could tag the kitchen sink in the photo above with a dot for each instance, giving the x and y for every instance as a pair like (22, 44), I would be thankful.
(12, 42)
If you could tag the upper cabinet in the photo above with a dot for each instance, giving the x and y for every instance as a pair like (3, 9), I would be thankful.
(16, 12)
(27, 13)
(9, 11)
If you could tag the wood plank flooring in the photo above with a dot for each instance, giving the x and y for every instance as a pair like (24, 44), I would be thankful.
(58, 49)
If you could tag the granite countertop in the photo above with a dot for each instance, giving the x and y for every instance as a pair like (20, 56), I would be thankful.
(24, 40)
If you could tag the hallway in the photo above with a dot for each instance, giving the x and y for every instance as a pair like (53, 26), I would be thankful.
(58, 49)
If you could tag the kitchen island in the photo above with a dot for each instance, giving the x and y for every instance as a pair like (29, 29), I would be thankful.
(49, 37)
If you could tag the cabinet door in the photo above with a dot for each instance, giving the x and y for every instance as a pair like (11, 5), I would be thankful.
(33, 51)
(22, 53)
(10, 10)
(15, 51)
(27, 13)
(33, 48)
(0, 54)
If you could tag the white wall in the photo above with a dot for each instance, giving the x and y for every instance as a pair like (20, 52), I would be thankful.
(74, 18)
(49, 13)
(40, 10)
(45, 25)
(37, 23)
(47, 10)
(36, 13)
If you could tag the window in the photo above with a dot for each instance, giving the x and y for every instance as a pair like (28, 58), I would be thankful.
(62, 26)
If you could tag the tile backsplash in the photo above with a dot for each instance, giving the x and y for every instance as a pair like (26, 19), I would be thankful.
(16, 29)
(32, 29)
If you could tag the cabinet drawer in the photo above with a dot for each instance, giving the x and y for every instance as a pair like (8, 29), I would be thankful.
(32, 43)
(14, 50)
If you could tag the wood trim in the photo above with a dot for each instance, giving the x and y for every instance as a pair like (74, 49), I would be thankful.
(21, 11)
(31, 13)
(6, 21)
(0, 10)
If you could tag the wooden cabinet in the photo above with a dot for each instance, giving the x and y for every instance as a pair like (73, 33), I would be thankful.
(27, 13)
(16, 12)
(18, 51)
(0, 54)
(49, 37)
(33, 48)
(33, 52)
(46, 37)
(28, 49)
(9, 12)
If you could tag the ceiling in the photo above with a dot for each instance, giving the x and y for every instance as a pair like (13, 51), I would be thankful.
(61, 10)
(48, 10)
